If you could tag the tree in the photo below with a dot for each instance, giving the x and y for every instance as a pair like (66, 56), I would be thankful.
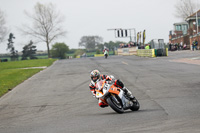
(3, 28)
(59, 50)
(46, 24)
(185, 8)
(14, 53)
(100, 47)
(90, 42)
(112, 45)
(28, 51)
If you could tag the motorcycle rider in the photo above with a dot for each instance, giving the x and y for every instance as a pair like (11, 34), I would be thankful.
(106, 52)
(96, 76)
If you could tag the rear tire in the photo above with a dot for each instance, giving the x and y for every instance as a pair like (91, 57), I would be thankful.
(115, 104)
(136, 106)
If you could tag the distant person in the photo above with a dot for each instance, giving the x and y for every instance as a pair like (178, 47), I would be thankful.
(193, 45)
(131, 44)
(170, 46)
(181, 45)
(147, 46)
(106, 52)
(106, 49)
(196, 44)
(184, 46)
(178, 46)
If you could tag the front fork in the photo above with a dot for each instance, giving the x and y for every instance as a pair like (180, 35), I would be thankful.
(126, 103)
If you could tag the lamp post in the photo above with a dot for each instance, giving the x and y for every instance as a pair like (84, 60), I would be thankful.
(197, 23)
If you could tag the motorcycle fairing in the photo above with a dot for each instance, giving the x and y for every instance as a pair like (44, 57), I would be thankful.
(114, 89)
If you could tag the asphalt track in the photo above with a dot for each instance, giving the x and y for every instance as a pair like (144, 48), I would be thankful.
(58, 100)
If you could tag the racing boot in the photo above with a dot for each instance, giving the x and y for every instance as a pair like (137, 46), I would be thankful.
(128, 93)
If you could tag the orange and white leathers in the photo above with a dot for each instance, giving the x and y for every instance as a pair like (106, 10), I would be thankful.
(92, 89)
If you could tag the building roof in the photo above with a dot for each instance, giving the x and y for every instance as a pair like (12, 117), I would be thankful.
(181, 23)
(193, 15)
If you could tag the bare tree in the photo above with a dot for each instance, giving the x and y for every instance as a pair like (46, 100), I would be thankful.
(90, 42)
(185, 8)
(3, 28)
(46, 24)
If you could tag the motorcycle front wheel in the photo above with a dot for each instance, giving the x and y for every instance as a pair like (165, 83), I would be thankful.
(135, 106)
(106, 56)
(115, 104)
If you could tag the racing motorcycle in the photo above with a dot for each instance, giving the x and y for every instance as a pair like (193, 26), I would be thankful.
(115, 97)
(106, 54)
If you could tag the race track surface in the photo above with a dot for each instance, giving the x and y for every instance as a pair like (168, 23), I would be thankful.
(58, 100)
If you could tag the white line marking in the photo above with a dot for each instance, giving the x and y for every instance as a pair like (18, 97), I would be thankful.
(43, 67)
(195, 58)
(124, 63)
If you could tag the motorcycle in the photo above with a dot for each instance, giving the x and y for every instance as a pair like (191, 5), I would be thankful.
(115, 97)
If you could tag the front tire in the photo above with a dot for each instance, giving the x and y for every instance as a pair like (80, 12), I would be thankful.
(136, 105)
(115, 104)
(106, 56)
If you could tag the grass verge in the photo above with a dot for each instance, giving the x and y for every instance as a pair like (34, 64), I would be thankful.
(11, 75)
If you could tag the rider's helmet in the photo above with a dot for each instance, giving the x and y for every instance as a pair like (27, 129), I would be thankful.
(95, 75)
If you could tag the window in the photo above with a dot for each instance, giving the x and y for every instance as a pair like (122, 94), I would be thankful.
(184, 29)
(198, 21)
(178, 27)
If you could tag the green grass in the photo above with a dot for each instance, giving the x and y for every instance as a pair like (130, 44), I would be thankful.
(19, 58)
(11, 75)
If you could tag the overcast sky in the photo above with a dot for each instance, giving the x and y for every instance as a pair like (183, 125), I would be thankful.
(94, 17)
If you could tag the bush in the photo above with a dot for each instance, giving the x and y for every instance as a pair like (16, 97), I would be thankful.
(59, 50)
(97, 51)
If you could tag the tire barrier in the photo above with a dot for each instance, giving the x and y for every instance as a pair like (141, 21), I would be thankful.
(161, 52)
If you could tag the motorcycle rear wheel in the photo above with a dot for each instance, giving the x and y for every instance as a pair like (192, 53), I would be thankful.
(115, 104)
